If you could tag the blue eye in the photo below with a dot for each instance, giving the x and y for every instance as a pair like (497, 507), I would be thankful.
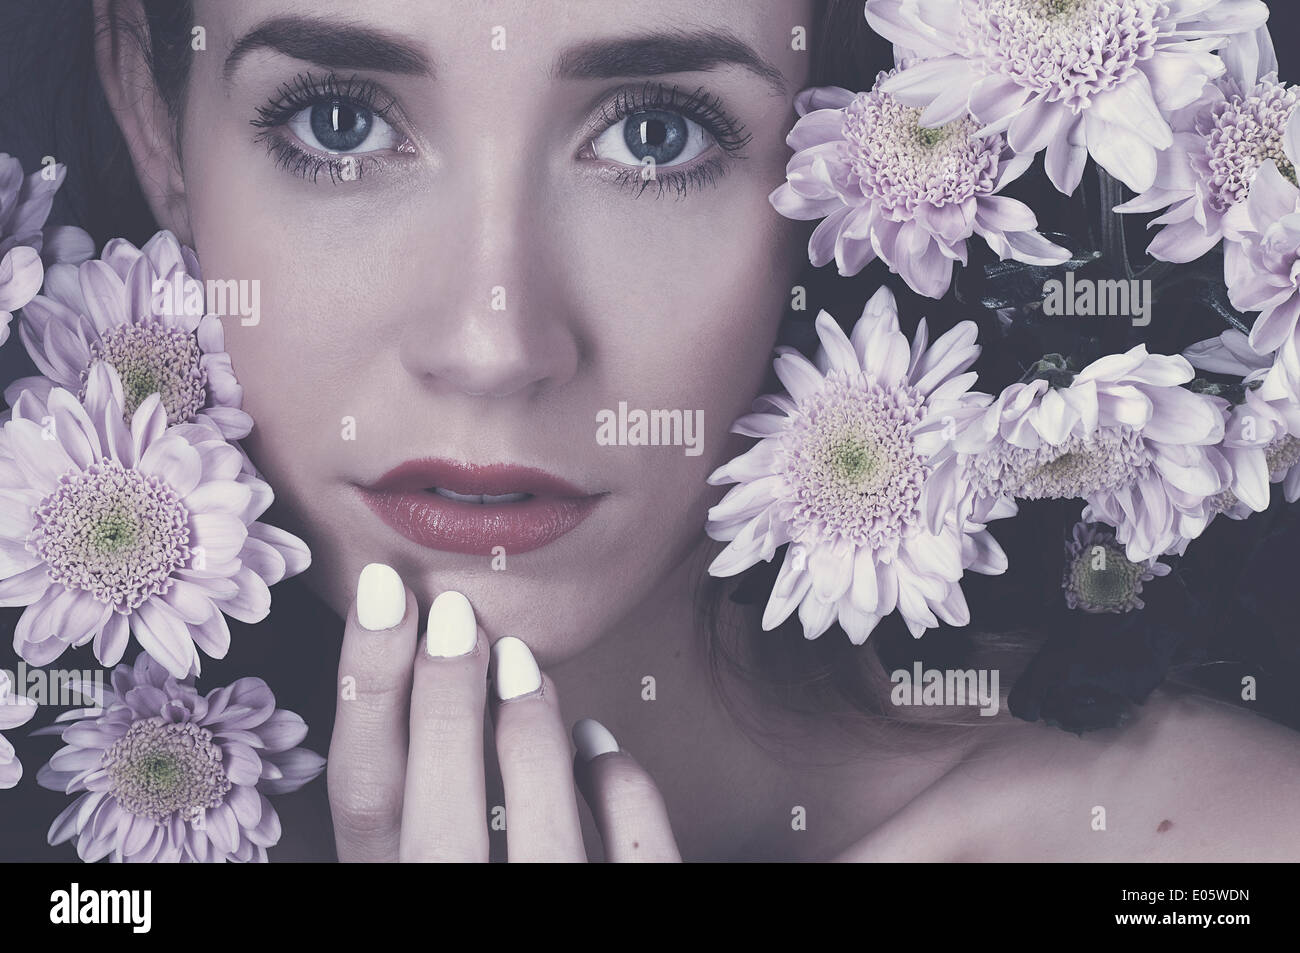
(660, 135)
(338, 126)
(667, 138)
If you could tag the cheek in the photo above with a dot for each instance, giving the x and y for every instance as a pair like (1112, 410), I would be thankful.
(688, 297)
(304, 363)
(679, 300)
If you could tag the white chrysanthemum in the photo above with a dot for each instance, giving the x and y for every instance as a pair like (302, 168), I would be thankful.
(112, 530)
(838, 474)
(1264, 429)
(1220, 142)
(1246, 489)
(1122, 434)
(27, 244)
(888, 188)
(15, 710)
(1074, 77)
(120, 310)
(1261, 257)
(1099, 577)
(163, 774)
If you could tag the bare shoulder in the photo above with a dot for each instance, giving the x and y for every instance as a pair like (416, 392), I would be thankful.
(1187, 779)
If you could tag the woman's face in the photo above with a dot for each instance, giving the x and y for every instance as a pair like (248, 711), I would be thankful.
(467, 264)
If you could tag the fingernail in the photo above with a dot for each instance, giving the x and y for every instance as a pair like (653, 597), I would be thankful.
(516, 671)
(453, 630)
(592, 739)
(381, 597)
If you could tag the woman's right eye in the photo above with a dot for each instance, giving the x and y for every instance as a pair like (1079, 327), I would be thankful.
(340, 127)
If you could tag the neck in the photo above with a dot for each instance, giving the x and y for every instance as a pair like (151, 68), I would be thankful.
(650, 682)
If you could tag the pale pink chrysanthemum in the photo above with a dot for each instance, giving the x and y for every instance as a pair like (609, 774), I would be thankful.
(1261, 260)
(1074, 77)
(167, 775)
(26, 244)
(888, 188)
(1220, 141)
(1099, 577)
(1265, 426)
(139, 311)
(1122, 434)
(838, 474)
(112, 530)
(1249, 429)
(15, 711)
(1242, 458)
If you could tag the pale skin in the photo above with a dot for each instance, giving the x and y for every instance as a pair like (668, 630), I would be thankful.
(376, 295)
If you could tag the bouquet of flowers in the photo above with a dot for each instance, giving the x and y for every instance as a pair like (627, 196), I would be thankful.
(880, 468)
(131, 515)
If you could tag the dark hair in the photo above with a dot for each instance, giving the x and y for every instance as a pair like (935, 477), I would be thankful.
(59, 91)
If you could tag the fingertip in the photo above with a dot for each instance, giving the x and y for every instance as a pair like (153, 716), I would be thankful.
(515, 673)
(382, 598)
(452, 629)
(625, 802)
(592, 739)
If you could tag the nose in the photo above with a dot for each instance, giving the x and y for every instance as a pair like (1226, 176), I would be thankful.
(497, 316)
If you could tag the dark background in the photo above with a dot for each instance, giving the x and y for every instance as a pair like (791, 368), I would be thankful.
(1226, 612)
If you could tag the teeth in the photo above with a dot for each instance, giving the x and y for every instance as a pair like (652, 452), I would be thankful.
(480, 498)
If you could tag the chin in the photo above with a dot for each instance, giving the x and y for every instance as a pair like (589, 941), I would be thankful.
(547, 610)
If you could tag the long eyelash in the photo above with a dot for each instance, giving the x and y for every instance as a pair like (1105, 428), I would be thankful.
(302, 93)
(308, 165)
(701, 106)
(307, 90)
(669, 181)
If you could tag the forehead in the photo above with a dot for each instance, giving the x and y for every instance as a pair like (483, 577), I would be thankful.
(452, 34)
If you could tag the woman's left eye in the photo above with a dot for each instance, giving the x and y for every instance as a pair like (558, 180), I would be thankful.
(665, 137)
(340, 127)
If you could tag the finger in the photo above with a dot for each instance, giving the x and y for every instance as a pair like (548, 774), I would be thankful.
(444, 814)
(628, 808)
(367, 759)
(542, 822)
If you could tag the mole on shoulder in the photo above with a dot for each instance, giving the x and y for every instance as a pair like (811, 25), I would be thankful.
(1164, 826)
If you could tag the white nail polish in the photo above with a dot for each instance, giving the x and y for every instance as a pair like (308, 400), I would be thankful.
(453, 630)
(381, 597)
(592, 739)
(516, 671)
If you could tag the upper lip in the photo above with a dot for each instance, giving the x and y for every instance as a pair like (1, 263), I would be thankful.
(496, 479)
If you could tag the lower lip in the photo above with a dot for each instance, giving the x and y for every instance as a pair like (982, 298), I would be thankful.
(476, 529)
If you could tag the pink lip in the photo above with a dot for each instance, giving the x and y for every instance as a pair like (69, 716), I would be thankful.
(404, 499)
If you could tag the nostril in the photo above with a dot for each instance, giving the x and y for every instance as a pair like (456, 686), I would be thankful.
(460, 352)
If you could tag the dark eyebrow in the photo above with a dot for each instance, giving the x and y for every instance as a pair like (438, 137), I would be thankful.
(658, 53)
(334, 44)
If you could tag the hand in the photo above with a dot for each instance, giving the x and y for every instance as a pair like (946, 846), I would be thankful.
(406, 767)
